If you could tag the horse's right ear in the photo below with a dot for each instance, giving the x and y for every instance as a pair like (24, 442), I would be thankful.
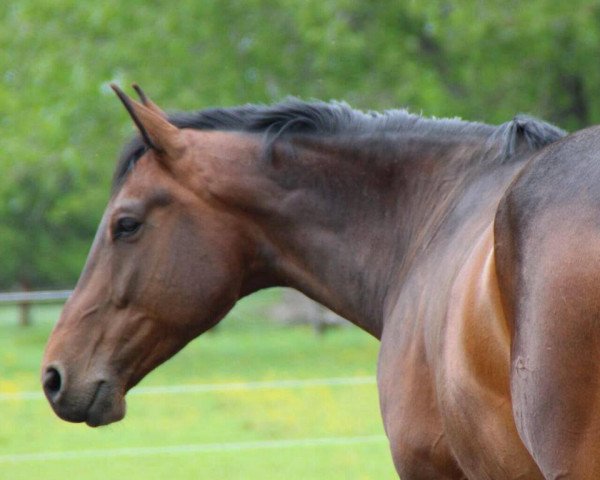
(158, 133)
(147, 102)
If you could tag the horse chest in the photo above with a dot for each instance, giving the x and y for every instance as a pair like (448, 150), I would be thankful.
(444, 383)
(472, 381)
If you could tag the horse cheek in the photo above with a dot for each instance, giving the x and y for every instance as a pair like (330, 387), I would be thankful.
(195, 282)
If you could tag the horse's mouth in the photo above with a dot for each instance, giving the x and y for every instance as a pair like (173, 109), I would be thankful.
(103, 403)
(107, 406)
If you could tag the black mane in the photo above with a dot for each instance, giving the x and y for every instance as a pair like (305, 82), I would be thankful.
(337, 118)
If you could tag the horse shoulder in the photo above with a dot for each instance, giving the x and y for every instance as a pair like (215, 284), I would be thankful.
(555, 371)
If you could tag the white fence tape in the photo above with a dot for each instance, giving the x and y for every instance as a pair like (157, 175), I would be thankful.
(193, 448)
(218, 387)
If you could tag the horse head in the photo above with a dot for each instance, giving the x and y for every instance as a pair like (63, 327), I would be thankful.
(167, 263)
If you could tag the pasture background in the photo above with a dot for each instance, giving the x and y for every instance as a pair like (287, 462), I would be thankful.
(245, 347)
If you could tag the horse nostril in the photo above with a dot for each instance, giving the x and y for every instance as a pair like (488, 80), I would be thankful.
(52, 382)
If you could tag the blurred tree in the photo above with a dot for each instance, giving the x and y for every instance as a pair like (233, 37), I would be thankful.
(61, 128)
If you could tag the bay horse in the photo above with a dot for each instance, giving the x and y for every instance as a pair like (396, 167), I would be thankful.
(471, 251)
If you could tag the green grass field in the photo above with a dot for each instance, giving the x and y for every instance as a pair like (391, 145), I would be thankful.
(291, 431)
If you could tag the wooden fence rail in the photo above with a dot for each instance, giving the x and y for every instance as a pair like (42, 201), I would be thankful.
(24, 300)
(294, 308)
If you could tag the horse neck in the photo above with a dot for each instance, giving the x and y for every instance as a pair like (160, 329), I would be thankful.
(337, 218)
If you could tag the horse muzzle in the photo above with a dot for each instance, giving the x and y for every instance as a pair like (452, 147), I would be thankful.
(95, 402)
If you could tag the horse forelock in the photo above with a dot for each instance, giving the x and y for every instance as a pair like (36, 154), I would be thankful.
(327, 119)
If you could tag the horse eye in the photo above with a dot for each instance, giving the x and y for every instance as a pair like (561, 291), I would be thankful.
(126, 227)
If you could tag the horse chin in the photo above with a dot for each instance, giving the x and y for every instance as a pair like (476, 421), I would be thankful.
(108, 406)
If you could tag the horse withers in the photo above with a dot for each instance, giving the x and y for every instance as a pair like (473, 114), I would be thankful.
(470, 250)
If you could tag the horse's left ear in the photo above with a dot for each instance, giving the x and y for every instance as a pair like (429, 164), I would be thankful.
(158, 133)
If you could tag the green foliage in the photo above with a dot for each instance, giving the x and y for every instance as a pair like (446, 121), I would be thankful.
(61, 128)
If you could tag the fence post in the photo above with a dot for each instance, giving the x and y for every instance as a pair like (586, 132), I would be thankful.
(25, 306)
(26, 300)
(24, 314)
